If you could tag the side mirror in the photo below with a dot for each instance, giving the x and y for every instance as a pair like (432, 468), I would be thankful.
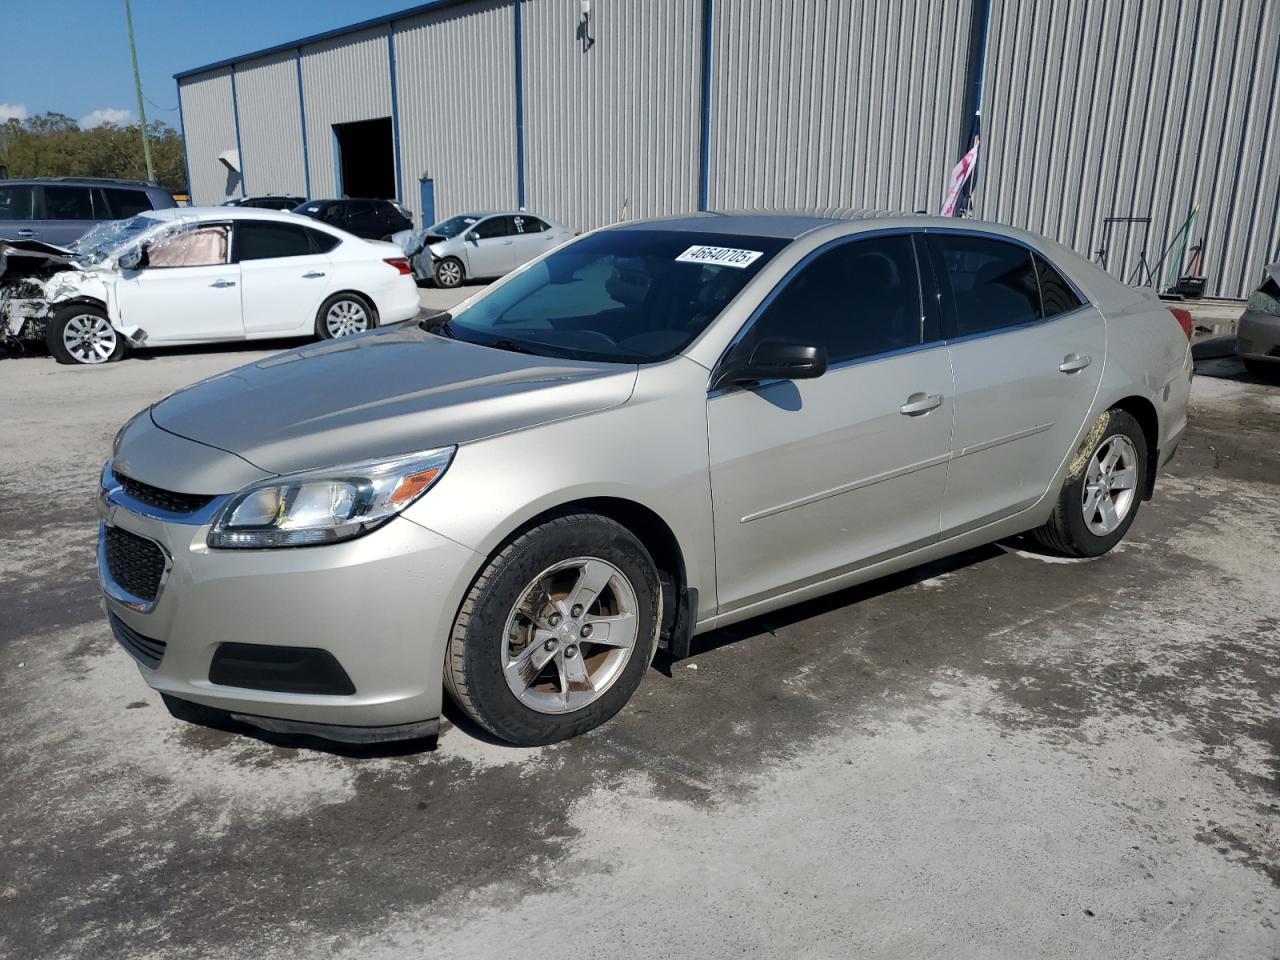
(774, 360)
(472, 237)
(132, 259)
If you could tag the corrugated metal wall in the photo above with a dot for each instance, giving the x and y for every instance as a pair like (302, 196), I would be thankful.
(270, 125)
(1093, 109)
(836, 103)
(210, 129)
(344, 79)
(616, 125)
(455, 80)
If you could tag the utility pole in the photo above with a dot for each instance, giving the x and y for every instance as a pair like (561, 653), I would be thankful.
(137, 86)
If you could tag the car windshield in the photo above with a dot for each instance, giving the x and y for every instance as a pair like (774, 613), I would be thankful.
(626, 296)
(109, 236)
(453, 226)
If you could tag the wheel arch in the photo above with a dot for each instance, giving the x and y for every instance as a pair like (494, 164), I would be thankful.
(1144, 411)
(680, 603)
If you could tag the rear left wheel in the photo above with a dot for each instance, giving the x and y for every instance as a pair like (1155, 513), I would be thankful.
(557, 631)
(342, 315)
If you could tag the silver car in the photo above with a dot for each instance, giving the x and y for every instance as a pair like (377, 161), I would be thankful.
(657, 430)
(1258, 332)
(479, 246)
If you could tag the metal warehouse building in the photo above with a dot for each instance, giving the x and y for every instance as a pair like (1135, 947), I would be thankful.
(589, 112)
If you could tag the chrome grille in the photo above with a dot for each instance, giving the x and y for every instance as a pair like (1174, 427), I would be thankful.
(134, 562)
(169, 500)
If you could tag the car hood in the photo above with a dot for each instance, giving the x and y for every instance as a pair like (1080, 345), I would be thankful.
(31, 257)
(390, 392)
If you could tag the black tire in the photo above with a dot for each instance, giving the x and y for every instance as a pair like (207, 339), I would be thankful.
(322, 315)
(449, 273)
(1264, 369)
(80, 314)
(473, 662)
(1067, 531)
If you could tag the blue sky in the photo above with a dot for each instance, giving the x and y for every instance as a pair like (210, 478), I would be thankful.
(72, 56)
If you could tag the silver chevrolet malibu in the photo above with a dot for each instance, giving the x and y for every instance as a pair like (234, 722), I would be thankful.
(656, 430)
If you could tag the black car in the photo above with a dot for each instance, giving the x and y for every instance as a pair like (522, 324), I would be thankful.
(371, 219)
(267, 202)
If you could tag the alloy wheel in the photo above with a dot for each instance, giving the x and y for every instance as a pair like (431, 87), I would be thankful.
(450, 274)
(89, 338)
(570, 635)
(1110, 485)
(345, 318)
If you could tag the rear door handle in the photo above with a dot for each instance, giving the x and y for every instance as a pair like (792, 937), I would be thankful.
(920, 403)
(223, 283)
(1073, 362)
(313, 274)
(27, 234)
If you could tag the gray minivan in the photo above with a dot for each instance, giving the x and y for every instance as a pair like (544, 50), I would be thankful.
(60, 210)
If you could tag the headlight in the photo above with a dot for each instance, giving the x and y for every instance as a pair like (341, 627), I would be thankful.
(325, 506)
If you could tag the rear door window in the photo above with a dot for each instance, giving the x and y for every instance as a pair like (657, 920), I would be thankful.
(991, 285)
(527, 224)
(126, 203)
(1056, 295)
(263, 240)
(17, 203)
(68, 203)
(859, 299)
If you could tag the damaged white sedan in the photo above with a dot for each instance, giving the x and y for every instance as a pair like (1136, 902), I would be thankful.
(187, 276)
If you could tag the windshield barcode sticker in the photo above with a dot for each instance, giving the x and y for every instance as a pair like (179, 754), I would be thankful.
(720, 256)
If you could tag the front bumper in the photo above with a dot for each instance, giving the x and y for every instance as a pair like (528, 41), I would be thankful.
(1258, 336)
(382, 605)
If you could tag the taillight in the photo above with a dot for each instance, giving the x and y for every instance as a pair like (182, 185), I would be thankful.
(1182, 316)
(402, 265)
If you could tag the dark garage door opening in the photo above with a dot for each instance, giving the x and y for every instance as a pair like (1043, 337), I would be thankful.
(366, 159)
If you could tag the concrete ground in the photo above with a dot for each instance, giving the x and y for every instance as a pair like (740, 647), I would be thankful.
(1001, 755)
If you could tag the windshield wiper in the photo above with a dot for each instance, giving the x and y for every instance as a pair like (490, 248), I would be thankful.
(506, 344)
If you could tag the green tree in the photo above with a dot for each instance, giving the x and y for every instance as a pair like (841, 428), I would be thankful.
(54, 145)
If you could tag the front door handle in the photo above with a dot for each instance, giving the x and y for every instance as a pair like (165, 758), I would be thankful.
(27, 234)
(1073, 362)
(223, 283)
(920, 403)
(313, 274)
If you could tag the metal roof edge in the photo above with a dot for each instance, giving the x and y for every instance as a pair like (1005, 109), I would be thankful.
(320, 37)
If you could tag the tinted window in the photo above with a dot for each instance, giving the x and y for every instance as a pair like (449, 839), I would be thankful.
(493, 227)
(1056, 295)
(68, 203)
(527, 224)
(992, 284)
(858, 299)
(127, 203)
(631, 296)
(322, 242)
(260, 240)
(17, 203)
(199, 247)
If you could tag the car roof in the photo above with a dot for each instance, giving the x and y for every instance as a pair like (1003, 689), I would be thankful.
(84, 181)
(229, 213)
(792, 224)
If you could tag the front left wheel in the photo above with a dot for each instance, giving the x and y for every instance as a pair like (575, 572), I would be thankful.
(82, 333)
(344, 314)
(557, 631)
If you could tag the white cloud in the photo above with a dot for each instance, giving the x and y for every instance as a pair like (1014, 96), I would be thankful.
(106, 115)
(12, 111)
